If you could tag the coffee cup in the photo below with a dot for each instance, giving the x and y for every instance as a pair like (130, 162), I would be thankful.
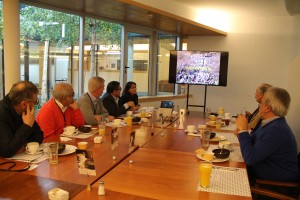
(191, 128)
(69, 130)
(117, 122)
(227, 115)
(98, 139)
(129, 113)
(82, 145)
(32, 147)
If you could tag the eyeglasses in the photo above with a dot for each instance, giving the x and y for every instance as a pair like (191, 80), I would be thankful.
(36, 102)
(119, 88)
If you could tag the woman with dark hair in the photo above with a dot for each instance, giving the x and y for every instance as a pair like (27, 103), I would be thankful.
(129, 94)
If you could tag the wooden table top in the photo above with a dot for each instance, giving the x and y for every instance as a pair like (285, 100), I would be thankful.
(16, 185)
(67, 169)
(156, 174)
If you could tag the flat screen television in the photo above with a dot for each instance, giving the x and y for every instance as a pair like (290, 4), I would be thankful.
(199, 67)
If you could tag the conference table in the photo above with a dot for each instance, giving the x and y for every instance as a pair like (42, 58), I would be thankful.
(162, 165)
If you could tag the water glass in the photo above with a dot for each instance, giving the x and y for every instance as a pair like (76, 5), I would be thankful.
(53, 152)
(205, 138)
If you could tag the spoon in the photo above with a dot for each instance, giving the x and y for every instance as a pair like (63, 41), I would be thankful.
(221, 150)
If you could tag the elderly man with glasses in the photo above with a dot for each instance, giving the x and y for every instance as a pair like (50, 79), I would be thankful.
(60, 111)
(17, 122)
(111, 100)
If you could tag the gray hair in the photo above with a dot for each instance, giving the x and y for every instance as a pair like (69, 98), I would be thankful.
(263, 87)
(279, 100)
(62, 90)
(95, 83)
(22, 91)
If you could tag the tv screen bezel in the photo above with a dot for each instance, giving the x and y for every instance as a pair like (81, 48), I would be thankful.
(222, 74)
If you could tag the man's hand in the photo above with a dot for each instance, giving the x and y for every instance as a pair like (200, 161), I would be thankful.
(28, 116)
(130, 103)
(73, 105)
(242, 123)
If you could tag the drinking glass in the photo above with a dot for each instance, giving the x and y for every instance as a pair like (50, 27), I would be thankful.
(205, 170)
(205, 135)
(53, 152)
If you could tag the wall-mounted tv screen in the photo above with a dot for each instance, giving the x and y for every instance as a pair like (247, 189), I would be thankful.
(199, 67)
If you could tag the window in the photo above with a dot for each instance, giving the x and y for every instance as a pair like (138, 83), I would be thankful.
(47, 48)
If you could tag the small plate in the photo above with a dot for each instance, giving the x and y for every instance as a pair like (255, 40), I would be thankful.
(214, 160)
(69, 150)
(218, 138)
(40, 151)
(222, 124)
(195, 131)
(75, 133)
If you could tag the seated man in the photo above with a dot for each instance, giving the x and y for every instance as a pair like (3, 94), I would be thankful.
(254, 119)
(17, 124)
(60, 111)
(90, 103)
(271, 151)
(111, 100)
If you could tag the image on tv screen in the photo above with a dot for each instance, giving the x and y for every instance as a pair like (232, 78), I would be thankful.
(197, 67)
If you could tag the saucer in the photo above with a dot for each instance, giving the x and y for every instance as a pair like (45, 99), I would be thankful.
(40, 151)
(75, 133)
(195, 131)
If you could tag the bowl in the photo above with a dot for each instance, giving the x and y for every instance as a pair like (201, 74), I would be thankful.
(61, 148)
(85, 129)
(221, 154)
(136, 119)
(212, 135)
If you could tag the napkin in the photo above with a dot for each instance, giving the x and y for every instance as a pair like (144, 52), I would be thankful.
(65, 139)
(193, 134)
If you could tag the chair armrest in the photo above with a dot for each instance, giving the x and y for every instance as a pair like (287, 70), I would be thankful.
(264, 192)
(276, 183)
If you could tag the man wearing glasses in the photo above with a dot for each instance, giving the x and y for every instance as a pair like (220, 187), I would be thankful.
(111, 100)
(60, 111)
(17, 122)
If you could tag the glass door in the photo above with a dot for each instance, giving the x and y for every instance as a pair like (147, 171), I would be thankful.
(137, 60)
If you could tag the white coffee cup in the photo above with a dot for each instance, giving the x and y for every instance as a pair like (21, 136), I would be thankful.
(32, 147)
(117, 122)
(191, 128)
(69, 130)
(227, 115)
(129, 113)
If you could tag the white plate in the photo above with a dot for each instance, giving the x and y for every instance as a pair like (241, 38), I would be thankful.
(214, 160)
(69, 149)
(222, 124)
(195, 131)
(218, 138)
(40, 151)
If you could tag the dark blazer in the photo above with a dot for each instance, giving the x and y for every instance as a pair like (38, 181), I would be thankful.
(127, 97)
(112, 107)
(14, 134)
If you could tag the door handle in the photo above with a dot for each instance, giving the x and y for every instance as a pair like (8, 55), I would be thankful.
(126, 67)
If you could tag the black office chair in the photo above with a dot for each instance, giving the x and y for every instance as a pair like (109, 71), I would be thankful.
(261, 191)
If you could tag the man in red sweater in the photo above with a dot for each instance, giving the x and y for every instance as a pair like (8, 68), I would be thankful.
(60, 111)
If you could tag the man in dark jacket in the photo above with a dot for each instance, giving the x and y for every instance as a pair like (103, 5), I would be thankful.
(111, 100)
(17, 122)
